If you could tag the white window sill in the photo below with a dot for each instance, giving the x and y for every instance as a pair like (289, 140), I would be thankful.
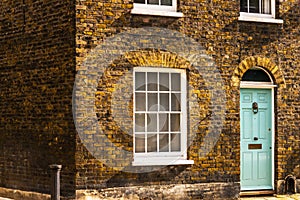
(138, 11)
(260, 19)
(161, 161)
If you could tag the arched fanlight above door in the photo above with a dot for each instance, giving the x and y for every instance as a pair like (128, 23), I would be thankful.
(256, 76)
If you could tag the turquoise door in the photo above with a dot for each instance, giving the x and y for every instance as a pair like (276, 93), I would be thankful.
(256, 139)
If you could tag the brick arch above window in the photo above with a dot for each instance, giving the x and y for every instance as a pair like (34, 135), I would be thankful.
(146, 58)
(254, 61)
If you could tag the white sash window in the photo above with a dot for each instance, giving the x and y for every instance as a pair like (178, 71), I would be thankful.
(258, 10)
(160, 116)
(156, 7)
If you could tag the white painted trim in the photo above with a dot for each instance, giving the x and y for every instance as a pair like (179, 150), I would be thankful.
(273, 9)
(140, 11)
(273, 137)
(154, 7)
(259, 18)
(158, 69)
(161, 161)
(134, 108)
(253, 84)
(156, 10)
(172, 7)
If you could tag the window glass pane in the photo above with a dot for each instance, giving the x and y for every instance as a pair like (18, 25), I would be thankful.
(175, 142)
(152, 122)
(256, 75)
(152, 102)
(163, 142)
(175, 122)
(266, 6)
(140, 101)
(140, 81)
(164, 81)
(166, 2)
(152, 143)
(175, 78)
(243, 5)
(164, 102)
(254, 6)
(139, 143)
(158, 111)
(164, 122)
(175, 102)
(139, 1)
(155, 2)
(152, 81)
(140, 122)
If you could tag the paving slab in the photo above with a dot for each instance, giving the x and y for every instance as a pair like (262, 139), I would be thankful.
(276, 197)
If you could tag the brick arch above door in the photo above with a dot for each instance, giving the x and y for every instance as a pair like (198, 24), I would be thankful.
(256, 61)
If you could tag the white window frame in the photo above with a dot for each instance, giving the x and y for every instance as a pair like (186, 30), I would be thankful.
(257, 17)
(159, 10)
(164, 158)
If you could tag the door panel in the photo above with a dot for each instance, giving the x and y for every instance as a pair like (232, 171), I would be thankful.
(262, 124)
(247, 128)
(247, 160)
(263, 161)
(256, 139)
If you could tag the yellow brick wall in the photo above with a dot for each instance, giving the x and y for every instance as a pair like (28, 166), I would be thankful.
(234, 47)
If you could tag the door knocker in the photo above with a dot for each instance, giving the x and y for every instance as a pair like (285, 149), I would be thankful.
(255, 107)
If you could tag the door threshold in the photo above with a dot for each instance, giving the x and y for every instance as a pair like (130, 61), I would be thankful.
(256, 193)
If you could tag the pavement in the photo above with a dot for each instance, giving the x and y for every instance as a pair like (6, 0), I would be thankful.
(275, 197)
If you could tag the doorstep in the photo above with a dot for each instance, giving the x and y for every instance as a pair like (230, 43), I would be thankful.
(257, 193)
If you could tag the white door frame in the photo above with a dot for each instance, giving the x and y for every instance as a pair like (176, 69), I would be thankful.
(266, 85)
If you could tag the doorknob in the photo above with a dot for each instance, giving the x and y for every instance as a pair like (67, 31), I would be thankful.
(255, 138)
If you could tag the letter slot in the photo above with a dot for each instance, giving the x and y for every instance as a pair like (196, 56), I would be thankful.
(254, 146)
